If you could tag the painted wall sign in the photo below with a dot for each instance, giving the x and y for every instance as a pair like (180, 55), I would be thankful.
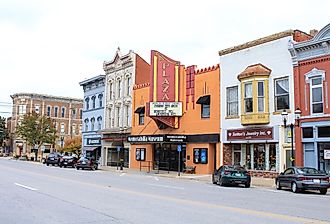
(167, 109)
(246, 134)
(146, 138)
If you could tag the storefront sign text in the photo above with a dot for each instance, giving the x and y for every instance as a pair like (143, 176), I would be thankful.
(327, 154)
(167, 109)
(244, 134)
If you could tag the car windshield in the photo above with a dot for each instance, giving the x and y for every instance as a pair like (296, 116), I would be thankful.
(307, 170)
(83, 159)
(239, 168)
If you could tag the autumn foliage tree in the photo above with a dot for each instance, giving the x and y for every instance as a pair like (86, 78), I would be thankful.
(73, 145)
(36, 130)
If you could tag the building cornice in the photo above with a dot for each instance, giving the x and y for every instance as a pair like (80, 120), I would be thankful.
(46, 97)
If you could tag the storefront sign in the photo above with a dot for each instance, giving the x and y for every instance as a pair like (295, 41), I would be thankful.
(175, 138)
(327, 154)
(247, 134)
(93, 141)
(146, 138)
(166, 109)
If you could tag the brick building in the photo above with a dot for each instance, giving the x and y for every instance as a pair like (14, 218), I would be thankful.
(311, 63)
(66, 113)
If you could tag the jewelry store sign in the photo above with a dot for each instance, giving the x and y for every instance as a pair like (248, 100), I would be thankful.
(166, 109)
(250, 134)
(327, 154)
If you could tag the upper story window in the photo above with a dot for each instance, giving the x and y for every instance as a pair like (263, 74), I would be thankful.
(282, 94)
(92, 124)
(316, 85)
(261, 97)
(74, 113)
(128, 86)
(119, 88)
(127, 116)
(22, 109)
(73, 130)
(48, 111)
(62, 128)
(99, 123)
(100, 100)
(111, 91)
(86, 121)
(63, 112)
(87, 103)
(80, 113)
(118, 116)
(37, 108)
(56, 112)
(204, 101)
(232, 101)
(141, 112)
(93, 102)
(248, 98)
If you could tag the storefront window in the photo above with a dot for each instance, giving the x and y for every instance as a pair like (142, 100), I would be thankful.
(200, 156)
(307, 132)
(324, 159)
(272, 158)
(140, 154)
(259, 157)
(323, 132)
(237, 154)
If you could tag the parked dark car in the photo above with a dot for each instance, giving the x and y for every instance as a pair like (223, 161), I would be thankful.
(303, 178)
(66, 161)
(231, 175)
(87, 163)
(53, 158)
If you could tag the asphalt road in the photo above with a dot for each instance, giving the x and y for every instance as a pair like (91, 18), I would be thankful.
(34, 193)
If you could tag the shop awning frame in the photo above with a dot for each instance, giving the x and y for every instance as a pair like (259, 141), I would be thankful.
(204, 100)
(140, 110)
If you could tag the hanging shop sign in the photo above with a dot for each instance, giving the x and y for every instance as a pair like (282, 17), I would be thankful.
(248, 134)
(93, 141)
(166, 109)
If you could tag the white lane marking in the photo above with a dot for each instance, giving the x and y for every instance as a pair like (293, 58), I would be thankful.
(122, 174)
(26, 187)
(156, 178)
(166, 186)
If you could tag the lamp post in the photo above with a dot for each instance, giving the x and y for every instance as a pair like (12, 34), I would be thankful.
(295, 123)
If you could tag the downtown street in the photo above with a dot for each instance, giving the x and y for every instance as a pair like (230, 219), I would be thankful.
(33, 193)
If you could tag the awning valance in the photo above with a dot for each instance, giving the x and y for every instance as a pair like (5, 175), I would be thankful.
(139, 110)
(89, 148)
(204, 100)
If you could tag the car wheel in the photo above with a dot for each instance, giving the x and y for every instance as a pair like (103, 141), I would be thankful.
(278, 185)
(247, 185)
(77, 168)
(323, 191)
(213, 180)
(47, 164)
(93, 168)
(61, 166)
(220, 182)
(294, 187)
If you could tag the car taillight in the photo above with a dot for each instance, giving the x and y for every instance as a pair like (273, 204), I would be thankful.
(302, 178)
(226, 172)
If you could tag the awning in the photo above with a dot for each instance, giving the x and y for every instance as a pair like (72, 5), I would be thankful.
(139, 110)
(204, 100)
(89, 148)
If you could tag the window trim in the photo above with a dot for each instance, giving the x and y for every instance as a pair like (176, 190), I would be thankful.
(250, 82)
(229, 102)
(311, 87)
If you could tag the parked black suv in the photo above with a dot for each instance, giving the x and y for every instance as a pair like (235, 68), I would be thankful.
(66, 161)
(53, 158)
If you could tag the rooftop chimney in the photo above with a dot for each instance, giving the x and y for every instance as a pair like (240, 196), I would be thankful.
(313, 32)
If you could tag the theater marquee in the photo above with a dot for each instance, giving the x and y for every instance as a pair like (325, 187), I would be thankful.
(167, 109)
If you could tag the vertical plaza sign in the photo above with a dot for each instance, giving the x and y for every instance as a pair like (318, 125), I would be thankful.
(164, 105)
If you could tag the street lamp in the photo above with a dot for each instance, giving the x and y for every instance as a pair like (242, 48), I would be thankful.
(284, 114)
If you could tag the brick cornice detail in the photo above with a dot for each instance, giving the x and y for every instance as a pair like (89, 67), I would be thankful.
(140, 86)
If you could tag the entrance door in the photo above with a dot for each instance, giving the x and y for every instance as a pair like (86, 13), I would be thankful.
(166, 157)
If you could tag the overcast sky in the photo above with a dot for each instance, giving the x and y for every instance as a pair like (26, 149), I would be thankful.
(49, 46)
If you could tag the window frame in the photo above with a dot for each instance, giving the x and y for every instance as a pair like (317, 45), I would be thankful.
(63, 110)
(205, 110)
(261, 96)
(248, 98)
(277, 95)
(231, 102)
(138, 154)
(55, 111)
(311, 94)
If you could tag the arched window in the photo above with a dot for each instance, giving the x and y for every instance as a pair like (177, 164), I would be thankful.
(87, 103)
(100, 100)
(86, 124)
(93, 101)
(99, 123)
(92, 124)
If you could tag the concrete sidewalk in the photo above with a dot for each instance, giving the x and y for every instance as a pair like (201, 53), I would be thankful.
(255, 181)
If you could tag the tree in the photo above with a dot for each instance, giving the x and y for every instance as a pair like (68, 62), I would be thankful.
(73, 145)
(3, 130)
(37, 130)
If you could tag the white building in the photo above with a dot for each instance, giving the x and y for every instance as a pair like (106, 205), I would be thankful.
(257, 86)
(120, 78)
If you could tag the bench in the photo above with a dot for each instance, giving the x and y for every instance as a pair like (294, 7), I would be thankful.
(189, 169)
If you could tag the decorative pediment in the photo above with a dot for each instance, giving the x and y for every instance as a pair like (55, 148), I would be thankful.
(314, 73)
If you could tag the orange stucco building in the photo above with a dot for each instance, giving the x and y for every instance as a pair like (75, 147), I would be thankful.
(176, 118)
